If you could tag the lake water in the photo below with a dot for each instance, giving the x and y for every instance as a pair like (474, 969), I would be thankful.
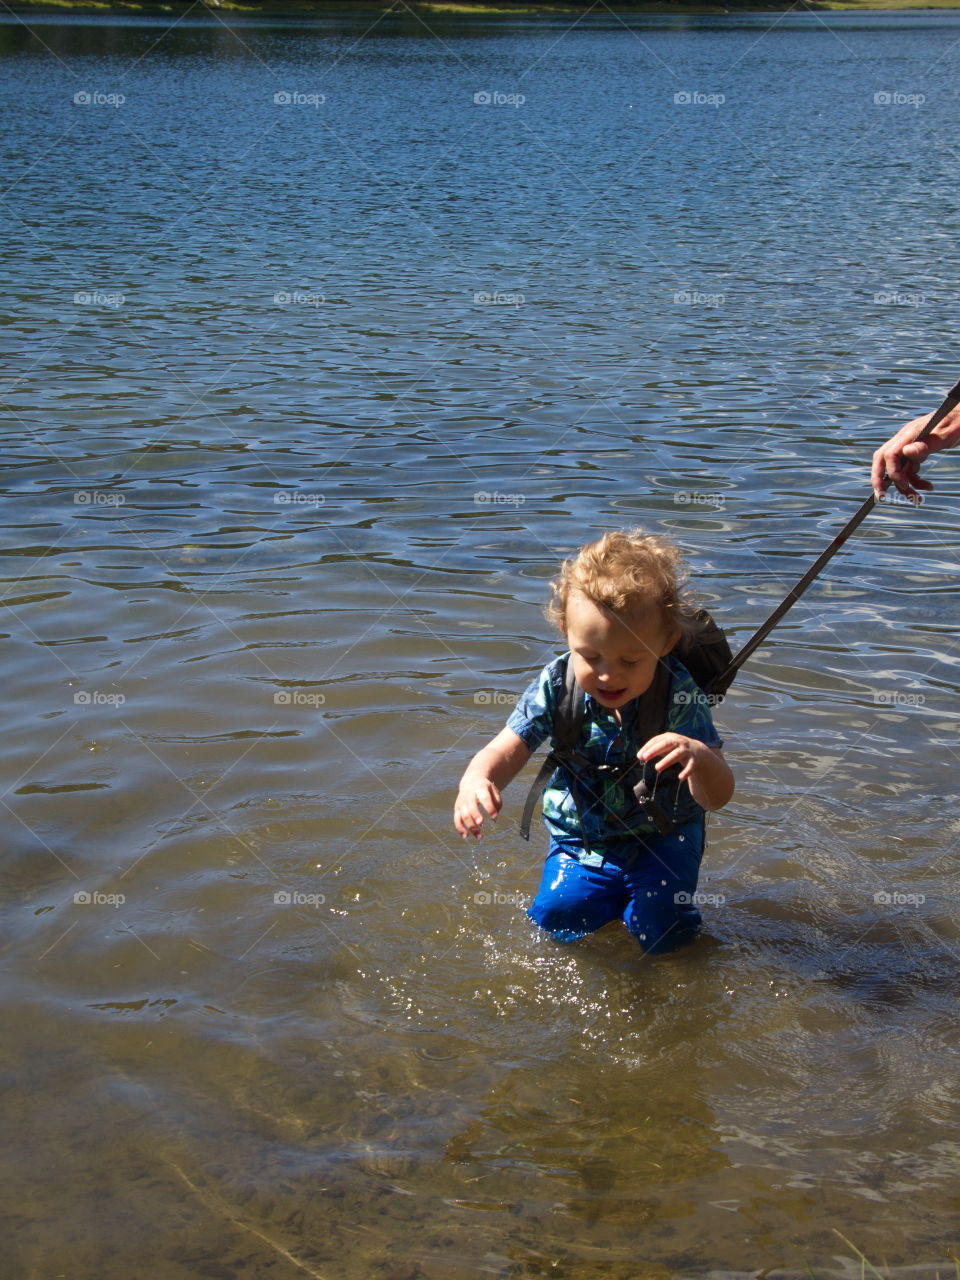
(323, 343)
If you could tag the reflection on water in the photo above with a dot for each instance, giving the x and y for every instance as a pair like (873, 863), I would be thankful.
(284, 487)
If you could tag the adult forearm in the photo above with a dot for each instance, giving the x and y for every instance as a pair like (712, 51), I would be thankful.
(946, 433)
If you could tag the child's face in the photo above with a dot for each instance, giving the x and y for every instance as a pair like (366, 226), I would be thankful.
(614, 655)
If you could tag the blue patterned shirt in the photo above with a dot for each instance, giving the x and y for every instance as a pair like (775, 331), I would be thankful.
(613, 819)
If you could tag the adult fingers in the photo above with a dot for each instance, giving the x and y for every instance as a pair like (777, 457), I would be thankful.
(903, 468)
(891, 459)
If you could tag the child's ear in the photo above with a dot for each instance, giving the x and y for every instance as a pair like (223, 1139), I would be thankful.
(671, 640)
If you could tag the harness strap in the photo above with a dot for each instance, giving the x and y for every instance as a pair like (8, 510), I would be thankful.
(536, 790)
(657, 816)
(568, 721)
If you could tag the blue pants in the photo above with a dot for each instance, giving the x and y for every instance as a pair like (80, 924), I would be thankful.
(650, 886)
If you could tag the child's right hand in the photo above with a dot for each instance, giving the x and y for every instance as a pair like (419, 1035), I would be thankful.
(475, 795)
(502, 758)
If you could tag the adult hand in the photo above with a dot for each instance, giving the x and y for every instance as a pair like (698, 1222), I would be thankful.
(899, 461)
(901, 457)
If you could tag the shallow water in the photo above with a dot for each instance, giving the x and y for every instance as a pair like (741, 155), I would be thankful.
(283, 492)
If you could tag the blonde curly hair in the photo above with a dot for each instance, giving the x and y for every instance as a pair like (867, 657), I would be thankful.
(630, 572)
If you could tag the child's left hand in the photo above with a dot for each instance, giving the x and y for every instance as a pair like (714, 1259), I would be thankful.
(704, 768)
(674, 748)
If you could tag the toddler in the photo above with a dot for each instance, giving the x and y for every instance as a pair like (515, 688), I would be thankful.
(614, 854)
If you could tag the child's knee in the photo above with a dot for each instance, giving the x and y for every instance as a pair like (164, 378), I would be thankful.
(663, 926)
(574, 900)
(567, 919)
(557, 922)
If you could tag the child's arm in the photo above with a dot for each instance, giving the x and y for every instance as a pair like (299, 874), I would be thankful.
(704, 768)
(486, 775)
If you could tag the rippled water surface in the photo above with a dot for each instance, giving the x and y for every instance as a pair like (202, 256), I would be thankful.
(314, 367)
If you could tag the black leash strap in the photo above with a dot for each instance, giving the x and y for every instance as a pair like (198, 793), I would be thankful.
(533, 795)
(568, 720)
(797, 590)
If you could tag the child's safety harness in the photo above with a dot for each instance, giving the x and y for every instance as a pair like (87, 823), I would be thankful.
(705, 653)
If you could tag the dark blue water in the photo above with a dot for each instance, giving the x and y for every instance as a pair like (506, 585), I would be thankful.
(323, 341)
